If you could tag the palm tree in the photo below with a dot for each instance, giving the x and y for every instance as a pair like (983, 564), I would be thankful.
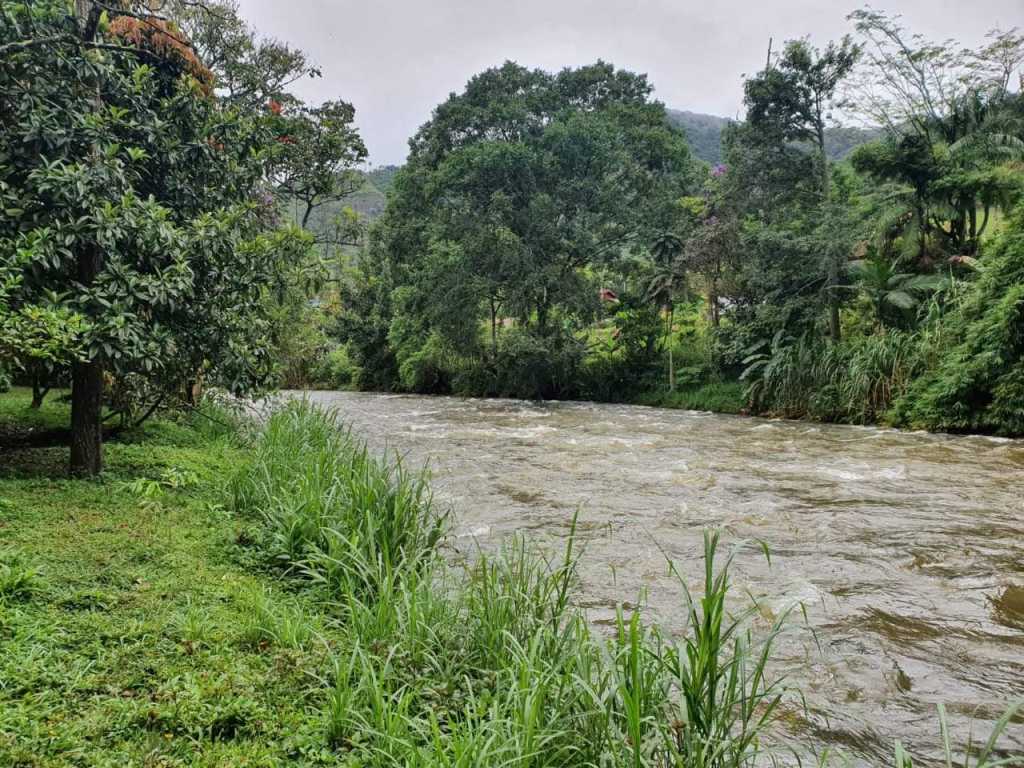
(889, 289)
(668, 280)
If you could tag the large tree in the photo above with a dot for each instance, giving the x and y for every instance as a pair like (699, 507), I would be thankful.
(791, 101)
(133, 209)
(517, 189)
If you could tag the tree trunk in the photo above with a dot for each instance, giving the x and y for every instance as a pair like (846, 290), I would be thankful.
(713, 314)
(39, 392)
(834, 328)
(87, 392)
(87, 376)
(671, 361)
(86, 419)
(922, 233)
(973, 213)
(494, 330)
(984, 222)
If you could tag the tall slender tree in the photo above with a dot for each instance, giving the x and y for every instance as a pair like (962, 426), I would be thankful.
(792, 101)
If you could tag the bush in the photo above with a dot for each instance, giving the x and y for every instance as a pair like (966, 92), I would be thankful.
(335, 371)
(537, 367)
(5, 380)
(429, 369)
(475, 378)
(977, 383)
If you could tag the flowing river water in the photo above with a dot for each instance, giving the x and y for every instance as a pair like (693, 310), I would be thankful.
(906, 550)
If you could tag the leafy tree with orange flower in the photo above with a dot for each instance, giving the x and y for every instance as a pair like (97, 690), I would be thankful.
(133, 219)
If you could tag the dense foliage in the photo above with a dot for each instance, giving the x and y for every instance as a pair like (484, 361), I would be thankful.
(550, 237)
(139, 236)
(171, 215)
(520, 195)
(976, 382)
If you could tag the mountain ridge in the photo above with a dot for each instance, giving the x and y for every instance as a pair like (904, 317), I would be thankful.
(704, 135)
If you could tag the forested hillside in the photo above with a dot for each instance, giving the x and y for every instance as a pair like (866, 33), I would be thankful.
(704, 135)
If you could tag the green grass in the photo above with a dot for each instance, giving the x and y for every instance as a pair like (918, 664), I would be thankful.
(282, 599)
(17, 417)
(133, 630)
(717, 397)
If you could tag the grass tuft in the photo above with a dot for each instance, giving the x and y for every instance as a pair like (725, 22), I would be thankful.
(19, 579)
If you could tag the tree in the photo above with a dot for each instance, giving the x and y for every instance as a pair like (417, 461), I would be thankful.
(668, 280)
(517, 189)
(137, 225)
(952, 125)
(317, 163)
(791, 101)
(249, 71)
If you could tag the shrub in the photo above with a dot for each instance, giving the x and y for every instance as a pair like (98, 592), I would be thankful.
(537, 367)
(977, 383)
(715, 396)
(336, 370)
(429, 369)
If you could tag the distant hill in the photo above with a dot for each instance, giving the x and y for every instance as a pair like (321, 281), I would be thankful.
(704, 133)
(368, 201)
(383, 176)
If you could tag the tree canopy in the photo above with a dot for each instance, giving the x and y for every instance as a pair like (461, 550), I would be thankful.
(517, 192)
(138, 223)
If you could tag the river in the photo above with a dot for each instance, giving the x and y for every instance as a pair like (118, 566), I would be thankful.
(906, 550)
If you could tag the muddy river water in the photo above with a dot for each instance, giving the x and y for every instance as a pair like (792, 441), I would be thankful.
(906, 549)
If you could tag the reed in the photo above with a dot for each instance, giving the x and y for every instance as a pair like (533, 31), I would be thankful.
(331, 511)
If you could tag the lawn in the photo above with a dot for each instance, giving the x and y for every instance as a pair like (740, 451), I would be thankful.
(132, 627)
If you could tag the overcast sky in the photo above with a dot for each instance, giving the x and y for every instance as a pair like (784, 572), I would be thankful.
(395, 60)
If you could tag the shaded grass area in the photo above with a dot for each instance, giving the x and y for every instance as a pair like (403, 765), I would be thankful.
(17, 418)
(132, 629)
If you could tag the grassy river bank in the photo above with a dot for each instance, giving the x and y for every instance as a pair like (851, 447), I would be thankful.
(227, 597)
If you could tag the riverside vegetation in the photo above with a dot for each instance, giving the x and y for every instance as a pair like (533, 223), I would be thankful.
(876, 285)
(302, 613)
(181, 219)
(174, 221)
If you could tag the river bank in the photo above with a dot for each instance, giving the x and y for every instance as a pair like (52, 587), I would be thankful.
(187, 609)
(901, 545)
